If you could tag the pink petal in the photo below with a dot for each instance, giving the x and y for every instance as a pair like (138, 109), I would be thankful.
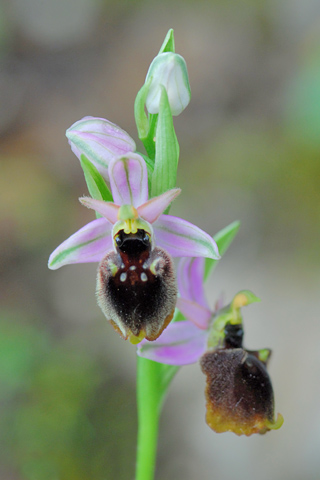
(100, 141)
(154, 207)
(107, 209)
(89, 244)
(190, 280)
(129, 180)
(181, 343)
(184, 277)
(194, 312)
(183, 239)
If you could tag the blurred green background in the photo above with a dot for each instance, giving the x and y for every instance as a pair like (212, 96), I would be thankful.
(250, 150)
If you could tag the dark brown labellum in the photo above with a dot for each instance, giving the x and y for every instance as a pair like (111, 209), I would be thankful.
(136, 286)
(239, 392)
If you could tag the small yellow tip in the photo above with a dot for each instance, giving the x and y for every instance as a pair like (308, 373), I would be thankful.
(277, 424)
(135, 339)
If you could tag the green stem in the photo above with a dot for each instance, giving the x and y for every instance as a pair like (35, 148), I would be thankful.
(148, 403)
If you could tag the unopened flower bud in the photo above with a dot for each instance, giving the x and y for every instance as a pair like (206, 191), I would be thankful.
(100, 141)
(170, 71)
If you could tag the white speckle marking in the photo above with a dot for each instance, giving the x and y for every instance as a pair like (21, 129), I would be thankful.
(133, 267)
(122, 265)
(123, 277)
(144, 266)
(144, 277)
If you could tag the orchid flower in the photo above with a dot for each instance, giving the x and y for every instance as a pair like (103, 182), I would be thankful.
(239, 394)
(132, 214)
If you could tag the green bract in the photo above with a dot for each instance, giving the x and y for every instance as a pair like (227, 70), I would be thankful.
(167, 150)
(96, 184)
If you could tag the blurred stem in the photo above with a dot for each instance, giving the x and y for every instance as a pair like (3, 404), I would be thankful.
(148, 403)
